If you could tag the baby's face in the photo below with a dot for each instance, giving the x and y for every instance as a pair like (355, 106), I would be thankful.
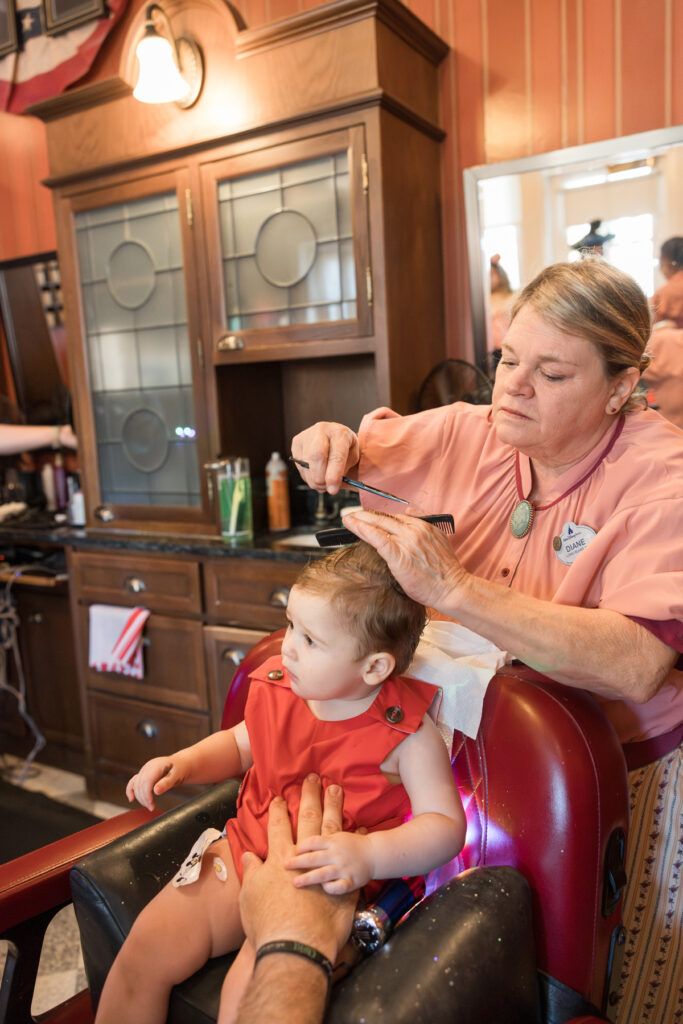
(318, 653)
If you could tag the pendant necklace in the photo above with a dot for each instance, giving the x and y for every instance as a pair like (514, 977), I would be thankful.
(523, 513)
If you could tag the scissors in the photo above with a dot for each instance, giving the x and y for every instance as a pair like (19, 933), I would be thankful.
(358, 484)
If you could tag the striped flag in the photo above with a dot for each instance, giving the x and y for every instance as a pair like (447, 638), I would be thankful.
(45, 65)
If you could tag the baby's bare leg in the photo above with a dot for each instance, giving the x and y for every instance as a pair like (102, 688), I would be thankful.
(235, 984)
(173, 937)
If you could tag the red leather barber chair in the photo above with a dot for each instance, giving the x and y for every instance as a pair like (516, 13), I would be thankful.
(525, 926)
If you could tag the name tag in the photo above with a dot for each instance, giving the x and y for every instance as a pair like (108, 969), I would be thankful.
(572, 541)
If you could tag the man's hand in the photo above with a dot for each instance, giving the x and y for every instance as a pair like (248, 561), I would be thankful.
(270, 905)
(340, 863)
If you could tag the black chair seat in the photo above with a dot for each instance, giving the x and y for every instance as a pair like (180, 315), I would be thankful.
(466, 952)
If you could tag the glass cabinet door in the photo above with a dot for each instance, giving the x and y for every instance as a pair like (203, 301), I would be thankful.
(287, 244)
(137, 325)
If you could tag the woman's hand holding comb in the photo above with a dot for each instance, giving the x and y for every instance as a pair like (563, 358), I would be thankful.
(419, 555)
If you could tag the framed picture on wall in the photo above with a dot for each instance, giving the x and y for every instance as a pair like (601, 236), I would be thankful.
(60, 15)
(9, 41)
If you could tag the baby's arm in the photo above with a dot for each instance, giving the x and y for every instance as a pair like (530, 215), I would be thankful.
(222, 755)
(435, 834)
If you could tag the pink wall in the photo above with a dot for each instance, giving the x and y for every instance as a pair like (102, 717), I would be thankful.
(523, 77)
(26, 219)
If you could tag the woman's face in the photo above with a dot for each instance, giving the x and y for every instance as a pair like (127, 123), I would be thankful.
(552, 398)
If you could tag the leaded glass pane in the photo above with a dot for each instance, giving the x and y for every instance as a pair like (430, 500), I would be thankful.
(287, 246)
(133, 295)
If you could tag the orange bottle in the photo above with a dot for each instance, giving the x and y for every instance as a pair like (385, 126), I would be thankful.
(277, 491)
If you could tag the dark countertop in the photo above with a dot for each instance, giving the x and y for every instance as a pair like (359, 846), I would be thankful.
(264, 546)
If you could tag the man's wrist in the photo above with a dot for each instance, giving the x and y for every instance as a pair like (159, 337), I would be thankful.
(56, 432)
(299, 949)
(323, 941)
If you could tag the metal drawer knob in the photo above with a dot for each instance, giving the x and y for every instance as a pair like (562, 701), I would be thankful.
(36, 618)
(279, 598)
(135, 585)
(147, 728)
(232, 654)
(104, 513)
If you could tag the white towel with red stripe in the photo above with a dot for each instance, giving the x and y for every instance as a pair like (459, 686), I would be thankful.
(116, 639)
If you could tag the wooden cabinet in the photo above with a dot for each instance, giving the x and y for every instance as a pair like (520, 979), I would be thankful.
(287, 245)
(129, 273)
(248, 592)
(190, 653)
(238, 270)
(225, 650)
(46, 647)
(160, 584)
(173, 657)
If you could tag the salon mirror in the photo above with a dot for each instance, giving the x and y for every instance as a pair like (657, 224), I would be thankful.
(530, 211)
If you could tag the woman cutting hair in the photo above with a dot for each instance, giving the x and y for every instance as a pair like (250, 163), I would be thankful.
(567, 497)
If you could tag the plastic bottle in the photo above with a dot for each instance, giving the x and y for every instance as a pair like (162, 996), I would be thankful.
(77, 509)
(47, 477)
(277, 490)
(61, 495)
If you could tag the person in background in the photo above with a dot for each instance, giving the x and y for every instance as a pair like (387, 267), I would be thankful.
(567, 497)
(333, 703)
(592, 243)
(664, 376)
(501, 302)
(16, 438)
(286, 988)
(667, 301)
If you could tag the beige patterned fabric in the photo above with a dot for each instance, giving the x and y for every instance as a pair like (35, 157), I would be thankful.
(651, 989)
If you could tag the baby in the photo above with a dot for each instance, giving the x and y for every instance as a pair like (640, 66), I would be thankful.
(334, 704)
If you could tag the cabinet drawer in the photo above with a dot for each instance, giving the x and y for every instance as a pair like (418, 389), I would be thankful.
(173, 659)
(249, 592)
(225, 648)
(126, 733)
(160, 584)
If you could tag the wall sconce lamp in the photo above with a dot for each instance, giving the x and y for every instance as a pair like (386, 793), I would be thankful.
(171, 70)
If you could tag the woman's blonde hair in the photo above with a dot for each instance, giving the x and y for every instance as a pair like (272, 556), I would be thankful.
(592, 299)
(370, 603)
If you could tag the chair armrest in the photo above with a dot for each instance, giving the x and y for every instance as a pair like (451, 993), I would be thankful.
(588, 1020)
(112, 885)
(39, 881)
(465, 953)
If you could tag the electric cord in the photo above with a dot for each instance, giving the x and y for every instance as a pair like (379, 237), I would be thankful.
(9, 622)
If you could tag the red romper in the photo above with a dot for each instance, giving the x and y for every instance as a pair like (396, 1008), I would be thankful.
(288, 742)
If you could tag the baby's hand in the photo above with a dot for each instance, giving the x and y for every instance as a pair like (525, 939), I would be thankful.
(340, 863)
(154, 778)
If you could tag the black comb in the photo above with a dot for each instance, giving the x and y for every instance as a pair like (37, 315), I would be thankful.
(340, 535)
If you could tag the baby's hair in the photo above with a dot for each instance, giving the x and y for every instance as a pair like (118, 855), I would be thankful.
(371, 605)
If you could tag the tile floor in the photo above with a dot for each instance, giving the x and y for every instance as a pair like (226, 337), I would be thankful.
(61, 972)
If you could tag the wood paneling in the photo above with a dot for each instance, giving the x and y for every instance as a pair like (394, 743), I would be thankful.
(644, 34)
(599, 70)
(26, 220)
(523, 77)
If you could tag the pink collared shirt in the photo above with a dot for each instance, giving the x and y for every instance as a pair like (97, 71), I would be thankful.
(664, 375)
(450, 460)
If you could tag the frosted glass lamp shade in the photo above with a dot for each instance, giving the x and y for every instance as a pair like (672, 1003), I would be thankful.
(159, 80)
